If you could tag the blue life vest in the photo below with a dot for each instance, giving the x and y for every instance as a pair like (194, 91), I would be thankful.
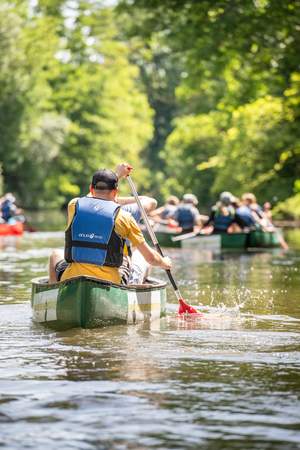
(7, 209)
(245, 215)
(222, 222)
(91, 237)
(185, 216)
(168, 211)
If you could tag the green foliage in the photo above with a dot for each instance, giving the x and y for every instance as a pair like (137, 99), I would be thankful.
(257, 154)
(239, 61)
(194, 140)
(70, 100)
(32, 131)
(290, 208)
(110, 117)
(198, 96)
(1, 182)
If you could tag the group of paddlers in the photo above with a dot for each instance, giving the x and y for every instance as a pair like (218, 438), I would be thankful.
(228, 215)
(103, 238)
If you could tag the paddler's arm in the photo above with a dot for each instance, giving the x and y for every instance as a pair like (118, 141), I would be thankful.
(122, 171)
(148, 203)
(210, 219)
(157, 212)
(127, 227)
(153, 257)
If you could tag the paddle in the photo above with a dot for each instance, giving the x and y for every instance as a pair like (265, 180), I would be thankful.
(182, 237)
(183, 306)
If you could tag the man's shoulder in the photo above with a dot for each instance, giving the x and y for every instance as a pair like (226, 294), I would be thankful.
(128, 228)
(125, 216)
(73, 201)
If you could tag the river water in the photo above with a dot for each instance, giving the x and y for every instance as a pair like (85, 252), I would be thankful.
(227, 381)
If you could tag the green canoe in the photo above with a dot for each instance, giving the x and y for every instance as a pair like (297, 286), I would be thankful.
(165, 237)
(267, 239)
(90, 303)
(234, 240)
(254, 239)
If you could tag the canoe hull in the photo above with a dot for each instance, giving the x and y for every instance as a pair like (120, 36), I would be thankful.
(210, 242)
(201, 242)
(234, 240)
(254, 239)
(15, 229)
(261, 239)
(90, 303)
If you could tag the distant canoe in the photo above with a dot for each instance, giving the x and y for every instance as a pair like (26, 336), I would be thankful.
(234, 240)
(7, 229)
(266, 239)
(90, 303)
(254, 239)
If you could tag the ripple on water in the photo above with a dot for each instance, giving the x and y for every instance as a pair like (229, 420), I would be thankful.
(228, 381)
(145, 415)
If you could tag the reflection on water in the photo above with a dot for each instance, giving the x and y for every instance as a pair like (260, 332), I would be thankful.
(229, 380)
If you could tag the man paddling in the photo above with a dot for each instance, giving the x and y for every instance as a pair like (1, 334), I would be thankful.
(96, 233)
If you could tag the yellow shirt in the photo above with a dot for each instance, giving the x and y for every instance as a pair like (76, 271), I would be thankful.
(126, 227)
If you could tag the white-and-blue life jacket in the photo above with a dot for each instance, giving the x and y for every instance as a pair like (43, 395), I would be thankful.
(221, 221)
(245, 215)
(91, 237)
(185, 216)
(7, 209)
(168, 211)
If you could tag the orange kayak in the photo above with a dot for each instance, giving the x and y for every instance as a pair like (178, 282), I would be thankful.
(7, 229)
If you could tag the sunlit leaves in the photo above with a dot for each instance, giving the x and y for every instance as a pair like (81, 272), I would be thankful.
(240, 59)
(257, 147)
(70, 100)
(194, 143)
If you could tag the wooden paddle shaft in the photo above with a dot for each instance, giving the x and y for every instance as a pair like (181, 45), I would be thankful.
(152, 234)
(184, 236)
(143, 212)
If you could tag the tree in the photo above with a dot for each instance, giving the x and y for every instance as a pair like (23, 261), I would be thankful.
(193, 142)
(241, 62)
(69, 103)
(258, 153)
(99, 91)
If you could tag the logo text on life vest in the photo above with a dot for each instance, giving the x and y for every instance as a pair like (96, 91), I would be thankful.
(97, 207)
(90, 235)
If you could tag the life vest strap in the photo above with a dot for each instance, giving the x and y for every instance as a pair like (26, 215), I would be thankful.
(89, 245)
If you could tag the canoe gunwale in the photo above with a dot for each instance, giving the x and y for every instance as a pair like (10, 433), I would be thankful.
(154, 284)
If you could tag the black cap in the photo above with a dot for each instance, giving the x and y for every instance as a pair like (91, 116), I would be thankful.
(105, 179)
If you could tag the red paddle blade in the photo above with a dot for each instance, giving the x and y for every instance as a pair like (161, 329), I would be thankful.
(185, 308)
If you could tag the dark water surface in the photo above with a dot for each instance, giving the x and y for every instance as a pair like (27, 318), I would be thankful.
(228, 381)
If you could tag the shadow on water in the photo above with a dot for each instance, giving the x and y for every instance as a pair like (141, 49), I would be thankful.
(227, 381)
